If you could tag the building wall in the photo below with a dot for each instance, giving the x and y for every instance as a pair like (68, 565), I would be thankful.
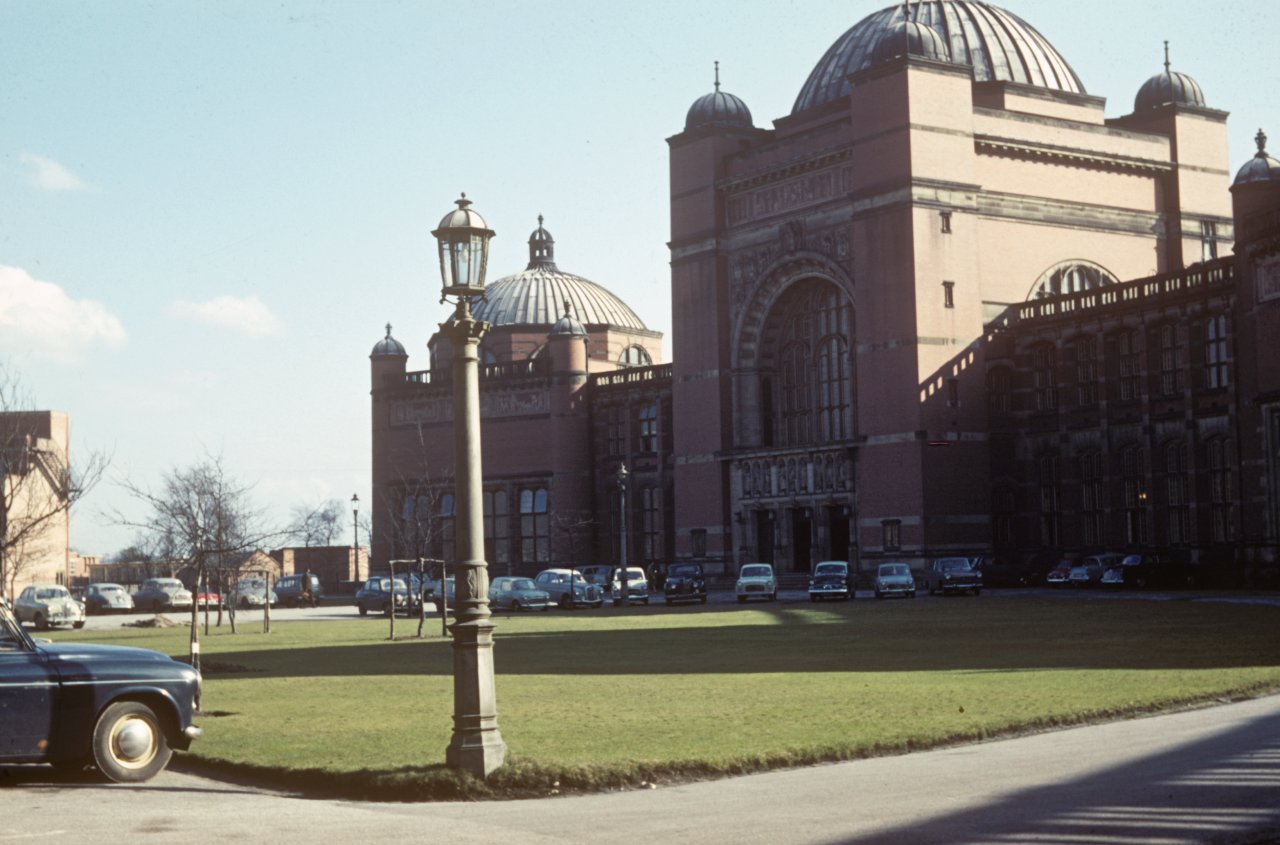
(34, 460)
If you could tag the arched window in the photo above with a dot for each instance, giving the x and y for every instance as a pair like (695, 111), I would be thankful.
(806, 374)
(535, 545)
(1071, 277)
(634, 356)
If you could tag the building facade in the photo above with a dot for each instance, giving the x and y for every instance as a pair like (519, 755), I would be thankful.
(901, 329)
(35, 493)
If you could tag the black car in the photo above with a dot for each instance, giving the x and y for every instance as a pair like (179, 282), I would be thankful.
(299, 590)
(121, 710)
(685, 582)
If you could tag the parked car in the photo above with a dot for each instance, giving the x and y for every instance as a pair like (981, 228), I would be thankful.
(1059, 574)
(755, 580)
(301, 590)
(378, 595)
(568, 589)
(1088, 570)
(515, 593)
(895, 579)
(1135, 571)
(160, 594)
(251, 593)
(117, 708)
(830, 580)
(684, 582)
(107, 598)
(597, 574)
(45, 605)
(637, 586)
(208, 599)
(998, 573)
(953, 575)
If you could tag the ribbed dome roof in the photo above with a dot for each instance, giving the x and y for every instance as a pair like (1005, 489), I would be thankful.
(1168, 87)
(909, 37)
(719, 108)
(998, 44)
(1260, 168)
(538, 295)
(388, 346)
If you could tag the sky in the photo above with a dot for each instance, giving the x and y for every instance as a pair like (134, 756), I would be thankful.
(210, 210)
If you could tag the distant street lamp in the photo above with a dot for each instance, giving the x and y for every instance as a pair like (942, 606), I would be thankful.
(355, 536)
(477, 745)
(622, 497)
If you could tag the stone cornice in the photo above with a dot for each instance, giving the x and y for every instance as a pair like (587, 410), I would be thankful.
(994, 145)
(795, 167)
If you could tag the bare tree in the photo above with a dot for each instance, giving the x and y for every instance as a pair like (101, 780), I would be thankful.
(319, 525)
(204, 520)
(38, 484)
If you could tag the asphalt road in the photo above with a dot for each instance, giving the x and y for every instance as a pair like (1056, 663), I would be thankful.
(1207, 775)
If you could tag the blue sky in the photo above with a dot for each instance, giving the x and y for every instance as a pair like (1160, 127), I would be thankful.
(208, 211)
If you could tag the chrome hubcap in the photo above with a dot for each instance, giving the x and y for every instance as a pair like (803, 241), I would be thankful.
(134, 741)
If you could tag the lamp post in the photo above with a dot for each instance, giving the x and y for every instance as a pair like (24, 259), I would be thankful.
(355, 536)
(623, 584)
(477, 745)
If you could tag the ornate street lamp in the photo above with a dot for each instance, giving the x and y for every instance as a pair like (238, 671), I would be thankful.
(477, 745)
(355, 535)
(623, 583)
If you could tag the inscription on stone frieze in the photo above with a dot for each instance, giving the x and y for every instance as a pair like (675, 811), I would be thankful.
(790, 194)
(492, 405)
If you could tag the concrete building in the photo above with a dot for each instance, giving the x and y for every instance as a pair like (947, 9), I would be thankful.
(926, 234)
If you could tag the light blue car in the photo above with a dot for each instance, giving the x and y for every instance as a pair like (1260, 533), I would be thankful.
(511, 592)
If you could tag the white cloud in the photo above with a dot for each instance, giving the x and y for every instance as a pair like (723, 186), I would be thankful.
(49, 174)
(246, 315)
(38, 318)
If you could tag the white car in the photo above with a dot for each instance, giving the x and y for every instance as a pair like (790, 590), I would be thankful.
(556, 583)
(895, 579)
(44, 605)
(637, 586)
(755, 580)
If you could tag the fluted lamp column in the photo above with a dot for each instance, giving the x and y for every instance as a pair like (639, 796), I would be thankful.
(477, 745)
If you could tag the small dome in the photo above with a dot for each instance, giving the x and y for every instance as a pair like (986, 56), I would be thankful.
(719, 108)
(533, 298)
(568, 324)
(1260, 168)
(910, 38)
(388, 346)
(1168, 88)
(997, 44)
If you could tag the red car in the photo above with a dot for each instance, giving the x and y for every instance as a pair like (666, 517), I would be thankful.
(208, 598)
(1059, 575)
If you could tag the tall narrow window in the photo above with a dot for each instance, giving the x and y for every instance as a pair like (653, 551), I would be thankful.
(948, 294)
(1208, 240)
(447, 527)
(1170, 360)
(1128, 351)
(1221, 489)
(832, 377)
(1135, 495)
(617, 427)
(1002, 513)
(1044, 377)
(998, 384)
(1177, 506)
(651, 524)
(1215, 352)
(953, 393)
(648, 429)
(497, 529)
(1092, 499)
(535, 546)
(1086, 349)
(945, 217)
(891, 534)
(795, 393)
(1050, 518)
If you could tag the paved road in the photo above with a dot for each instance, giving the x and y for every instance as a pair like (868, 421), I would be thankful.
(1209, 775)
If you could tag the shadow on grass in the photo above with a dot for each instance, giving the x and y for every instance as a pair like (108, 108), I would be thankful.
(865, 637)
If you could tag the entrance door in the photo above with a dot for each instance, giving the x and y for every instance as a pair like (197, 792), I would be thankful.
(764, 536)
(801, 539)
(838, 531)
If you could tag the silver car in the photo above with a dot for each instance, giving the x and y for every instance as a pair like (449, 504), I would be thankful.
(756, 580)
(557, 582)
(44, 605)
(512, 592)
(107, 598)
(157, 594)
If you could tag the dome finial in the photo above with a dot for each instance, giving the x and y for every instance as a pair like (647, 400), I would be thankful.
(1261, 139)
(717, 74)
(1166, 56)
(568, 308)
(388, 330)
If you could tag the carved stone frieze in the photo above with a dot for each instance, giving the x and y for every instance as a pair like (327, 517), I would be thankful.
(774, 477)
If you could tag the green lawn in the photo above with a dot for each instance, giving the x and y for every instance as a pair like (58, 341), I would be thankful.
(599, 698)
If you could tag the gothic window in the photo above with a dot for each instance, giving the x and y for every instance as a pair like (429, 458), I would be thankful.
(1044, 377)
(634, 356)
(648, 428)
(1215, 352)
(1092, 498)
(1086, 349)
(1135, 495)
(998, 387)
(616, 434)
(535, 546)
(1208, 240)
(1177, 505)
(806, 367)
(1129, 353)
(651, 524)
(1221, 495)
(1170, 360)
(1050, 516)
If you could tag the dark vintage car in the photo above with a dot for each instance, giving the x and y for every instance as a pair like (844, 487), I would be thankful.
(953, 575)
(376, 596)
(107, 598)
(300, 590)
(685, 582)
(830, 580)
(120, 710)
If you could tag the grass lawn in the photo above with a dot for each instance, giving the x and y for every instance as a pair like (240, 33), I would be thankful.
(600, 699)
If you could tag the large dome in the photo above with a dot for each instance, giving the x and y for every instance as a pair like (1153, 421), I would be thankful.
(998, 44)
(537, 296)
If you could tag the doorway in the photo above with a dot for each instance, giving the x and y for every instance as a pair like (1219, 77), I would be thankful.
(801, 539)
(838, 531)
(764, 536)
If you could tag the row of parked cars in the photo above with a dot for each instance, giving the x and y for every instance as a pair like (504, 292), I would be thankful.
(1106, 570)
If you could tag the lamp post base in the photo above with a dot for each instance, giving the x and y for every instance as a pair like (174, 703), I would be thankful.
(476, 746)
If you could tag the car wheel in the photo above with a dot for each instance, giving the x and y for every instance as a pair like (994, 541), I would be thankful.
(129, 746)
(702, 600)
(77, 625)
(911, 594)
(646, 602)
(813, 599)
(773, 596)
(386, 609)
(156, 606)
(40, 622)
(364, 611)
(742, 599)
(515, 606)
(564, 602)
(879, 594)
(977, 591)
(668, 601)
